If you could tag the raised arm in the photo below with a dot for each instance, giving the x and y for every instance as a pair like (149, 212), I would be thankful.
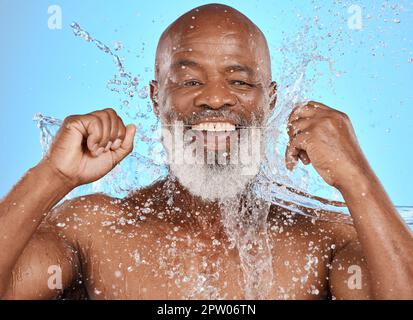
(26, 253)
(385, 240)
(86, 148)
(325, 137)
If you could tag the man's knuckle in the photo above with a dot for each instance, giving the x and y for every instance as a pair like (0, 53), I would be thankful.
(120, 121)
(102, 114)
(344, 116)
(111, 111)
(70, 119)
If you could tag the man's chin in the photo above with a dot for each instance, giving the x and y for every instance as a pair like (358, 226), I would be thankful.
(213, 183)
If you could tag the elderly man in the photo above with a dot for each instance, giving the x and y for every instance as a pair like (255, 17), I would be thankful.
(200, 234)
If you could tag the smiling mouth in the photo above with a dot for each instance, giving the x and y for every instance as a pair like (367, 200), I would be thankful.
(214, 127)
(215, 135)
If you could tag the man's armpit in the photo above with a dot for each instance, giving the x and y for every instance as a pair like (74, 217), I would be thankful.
(349, 277)
(45, 268)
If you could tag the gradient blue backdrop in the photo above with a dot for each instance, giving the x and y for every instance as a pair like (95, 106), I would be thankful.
(53, 72)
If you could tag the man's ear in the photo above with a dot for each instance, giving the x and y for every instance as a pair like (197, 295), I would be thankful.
(273, 94)
(154, 90)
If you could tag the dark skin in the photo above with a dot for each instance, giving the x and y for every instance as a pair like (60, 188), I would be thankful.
(213, 66)
(145, 247)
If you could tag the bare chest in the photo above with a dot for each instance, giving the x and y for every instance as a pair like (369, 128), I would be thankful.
(122, 267)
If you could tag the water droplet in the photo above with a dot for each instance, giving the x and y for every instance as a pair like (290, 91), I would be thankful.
(118, 45)
(216, 242)
(143, 93)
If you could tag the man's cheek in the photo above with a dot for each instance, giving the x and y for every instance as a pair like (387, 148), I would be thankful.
(254, 109)
(181, 102)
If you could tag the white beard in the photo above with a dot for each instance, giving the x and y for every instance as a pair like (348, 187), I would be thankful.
(212, 182)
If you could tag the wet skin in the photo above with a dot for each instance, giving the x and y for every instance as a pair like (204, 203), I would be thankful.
(117, 255)
(133, 248)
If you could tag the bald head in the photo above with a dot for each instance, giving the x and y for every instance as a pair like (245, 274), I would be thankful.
(215, 24)
(213, 59)
(212, 72)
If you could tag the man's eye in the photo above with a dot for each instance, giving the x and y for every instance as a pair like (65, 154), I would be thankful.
(192, 83)
(240, 83)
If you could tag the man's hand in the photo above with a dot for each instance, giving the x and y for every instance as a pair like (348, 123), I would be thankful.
(85, 149)
(325, 137)
(88, 146)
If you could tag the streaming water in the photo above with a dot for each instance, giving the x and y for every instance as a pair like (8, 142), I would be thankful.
(245, 223)
(276, 183)
(246, 227)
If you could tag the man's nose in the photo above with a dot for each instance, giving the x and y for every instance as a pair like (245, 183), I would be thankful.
(215, 96)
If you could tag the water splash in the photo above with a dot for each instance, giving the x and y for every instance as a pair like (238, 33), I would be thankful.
(126, 85)
(301, 188)
(48, 127)
(78, 31)
(246, 225)
(247, 230)
(282, 187)
(124, 178)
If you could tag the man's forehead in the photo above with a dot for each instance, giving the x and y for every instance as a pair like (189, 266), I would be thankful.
(212, 34)
(227, 48)
(204, 39)
(232, 37)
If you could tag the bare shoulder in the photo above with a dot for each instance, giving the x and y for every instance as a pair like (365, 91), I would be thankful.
(80, 219)
(82, 214)
(336, 226)
(349, 275)
(341, 226)
(53, 249)
(333, 239)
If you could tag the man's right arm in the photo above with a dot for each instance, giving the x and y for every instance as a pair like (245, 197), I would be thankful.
(85, 149)
(21, 213)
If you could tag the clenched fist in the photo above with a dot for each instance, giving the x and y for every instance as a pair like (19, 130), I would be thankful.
(89, 146)
(325, 137)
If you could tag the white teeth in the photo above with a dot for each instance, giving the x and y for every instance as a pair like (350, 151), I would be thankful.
(214, 126)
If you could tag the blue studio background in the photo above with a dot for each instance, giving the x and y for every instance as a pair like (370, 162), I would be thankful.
(53, 72)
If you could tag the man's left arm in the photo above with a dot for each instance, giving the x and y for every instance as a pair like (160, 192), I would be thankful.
(324, 137)
(386, 241)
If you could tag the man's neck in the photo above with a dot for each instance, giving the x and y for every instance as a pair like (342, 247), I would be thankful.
(199, 214)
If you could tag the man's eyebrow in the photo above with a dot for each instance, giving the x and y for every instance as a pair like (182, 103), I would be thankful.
(239, 68)
(185, 63)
